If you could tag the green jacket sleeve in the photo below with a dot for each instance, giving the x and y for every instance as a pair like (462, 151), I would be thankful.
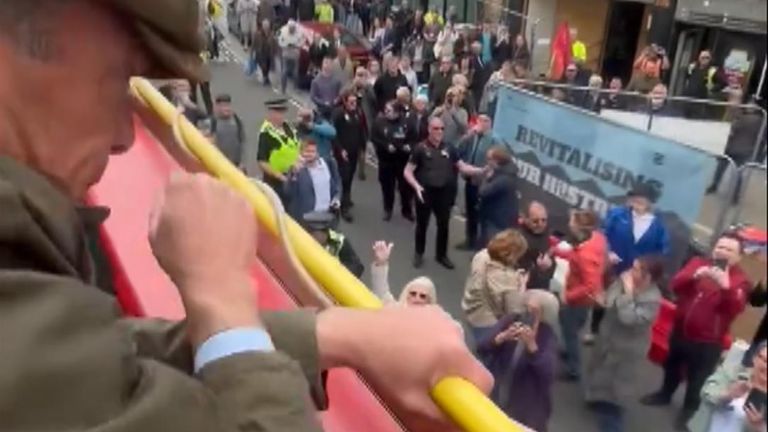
(293, 333)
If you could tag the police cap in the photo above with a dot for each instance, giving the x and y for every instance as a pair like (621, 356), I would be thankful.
(318, 221)
(279, 104)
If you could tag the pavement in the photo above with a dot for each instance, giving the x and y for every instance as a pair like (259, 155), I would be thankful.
(570, 414)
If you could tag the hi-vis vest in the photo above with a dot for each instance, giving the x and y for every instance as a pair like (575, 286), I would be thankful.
(284, 157)
(335, 243)
(711, 72)
(579, 51)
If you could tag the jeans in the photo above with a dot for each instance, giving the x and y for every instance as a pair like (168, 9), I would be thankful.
(572, 320)
(289, 70)
(610, 417)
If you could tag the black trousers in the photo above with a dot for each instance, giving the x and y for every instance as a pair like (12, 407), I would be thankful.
(391, 176)
(717, 178)
(205, 90)
(347, 173)
(698, 360)
(265, 63)
(437, 201)
(471, 201)
(598, 312)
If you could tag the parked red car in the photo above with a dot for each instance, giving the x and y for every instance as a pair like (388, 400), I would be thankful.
(358, 46)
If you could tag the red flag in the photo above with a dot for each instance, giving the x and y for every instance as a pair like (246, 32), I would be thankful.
(560, 52)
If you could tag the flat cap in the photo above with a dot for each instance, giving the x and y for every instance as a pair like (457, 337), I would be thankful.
(170, 31)
(318, 221)
(278, 104)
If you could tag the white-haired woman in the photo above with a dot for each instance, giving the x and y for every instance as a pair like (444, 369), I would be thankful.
(522, 353)
(418, 292)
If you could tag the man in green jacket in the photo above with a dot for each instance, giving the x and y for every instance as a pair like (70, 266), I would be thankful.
(69, 360)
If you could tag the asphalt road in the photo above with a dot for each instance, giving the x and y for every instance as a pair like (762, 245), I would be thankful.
(570, 413)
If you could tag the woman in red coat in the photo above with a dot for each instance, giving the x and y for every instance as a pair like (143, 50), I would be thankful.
(584, 284)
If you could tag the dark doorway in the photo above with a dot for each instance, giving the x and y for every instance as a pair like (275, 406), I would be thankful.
(621, 39)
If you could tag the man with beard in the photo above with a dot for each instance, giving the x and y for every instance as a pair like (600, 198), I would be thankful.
(392, 149)
(351, 136)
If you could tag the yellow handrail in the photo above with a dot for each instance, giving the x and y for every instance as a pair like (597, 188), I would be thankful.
(460, 400)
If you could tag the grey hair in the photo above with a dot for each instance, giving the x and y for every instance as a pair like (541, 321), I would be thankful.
(550, 306)
(29, 27)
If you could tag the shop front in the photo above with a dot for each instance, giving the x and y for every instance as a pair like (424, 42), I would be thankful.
(735, 33)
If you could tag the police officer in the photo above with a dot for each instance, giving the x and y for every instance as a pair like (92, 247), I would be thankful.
(279, 146)
(319, 225)
(432, 172)
(389, 137)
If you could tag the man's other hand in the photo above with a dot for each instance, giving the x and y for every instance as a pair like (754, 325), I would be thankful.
(376, 344)
(204, 236)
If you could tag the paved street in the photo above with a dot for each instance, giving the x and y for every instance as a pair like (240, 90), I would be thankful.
(570, 413)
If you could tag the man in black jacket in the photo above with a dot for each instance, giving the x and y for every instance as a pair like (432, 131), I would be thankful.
(537, 259)
(387, 84)
(351, 137)
(390, 138)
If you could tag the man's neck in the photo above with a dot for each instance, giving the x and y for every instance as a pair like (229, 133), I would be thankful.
(433, 143)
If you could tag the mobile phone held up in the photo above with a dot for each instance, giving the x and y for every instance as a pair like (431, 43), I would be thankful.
(721, 263)
(756, 398)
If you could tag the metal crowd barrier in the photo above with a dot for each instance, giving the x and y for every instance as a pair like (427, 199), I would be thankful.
(750, 181)
(461, 401)
(714, 121)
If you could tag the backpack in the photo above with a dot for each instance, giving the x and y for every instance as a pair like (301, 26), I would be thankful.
(238, 122)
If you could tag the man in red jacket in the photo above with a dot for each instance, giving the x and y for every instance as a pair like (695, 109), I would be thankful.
(711, 292)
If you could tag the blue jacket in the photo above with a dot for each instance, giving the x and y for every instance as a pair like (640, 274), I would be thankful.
(621, 239)
(300, 192)
(498, 209)
(322, 133)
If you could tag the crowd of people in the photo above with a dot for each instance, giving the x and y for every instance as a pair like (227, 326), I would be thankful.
(424, 104)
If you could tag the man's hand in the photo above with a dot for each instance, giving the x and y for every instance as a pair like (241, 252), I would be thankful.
(381, 252)
(419, 190)
(344, 155)
(204, 236)
(614, 259)
(375, 343)
(391, 148)
(544, 261)
(407, 148)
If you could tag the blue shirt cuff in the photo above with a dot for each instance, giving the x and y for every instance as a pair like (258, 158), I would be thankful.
(231, 342)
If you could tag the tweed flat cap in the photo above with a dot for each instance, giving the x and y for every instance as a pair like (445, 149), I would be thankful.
(170, 31)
